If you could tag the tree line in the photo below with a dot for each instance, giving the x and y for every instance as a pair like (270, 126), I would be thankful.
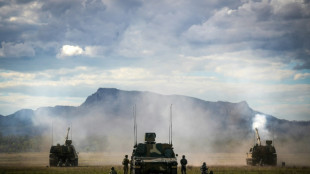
(19, 143)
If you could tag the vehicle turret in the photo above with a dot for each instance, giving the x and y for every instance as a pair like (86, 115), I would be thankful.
(262, 154)
(63, 155)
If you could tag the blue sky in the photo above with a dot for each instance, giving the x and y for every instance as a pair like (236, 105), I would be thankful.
(56, 52)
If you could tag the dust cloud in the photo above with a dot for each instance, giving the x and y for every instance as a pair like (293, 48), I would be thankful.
(217, 133)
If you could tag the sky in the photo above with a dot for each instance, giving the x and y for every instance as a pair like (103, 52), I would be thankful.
(56, 52)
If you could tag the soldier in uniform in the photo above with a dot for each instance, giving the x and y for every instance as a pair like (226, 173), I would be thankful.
(183, 162)
(204, 168)
(113, 171)
(125, 164)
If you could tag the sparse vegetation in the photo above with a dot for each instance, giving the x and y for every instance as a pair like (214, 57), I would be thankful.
(93, 163)
(20, 143)
(193, 170)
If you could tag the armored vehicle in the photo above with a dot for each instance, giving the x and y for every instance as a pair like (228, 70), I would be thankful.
(152, 157)
(262, 154)
(63, 155)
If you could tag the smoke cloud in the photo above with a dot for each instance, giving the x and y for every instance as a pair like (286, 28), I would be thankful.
(104, 123)
(259, 122)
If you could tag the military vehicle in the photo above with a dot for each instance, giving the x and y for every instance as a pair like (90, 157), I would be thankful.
(262, 154)
(63, 155)
(152, 157)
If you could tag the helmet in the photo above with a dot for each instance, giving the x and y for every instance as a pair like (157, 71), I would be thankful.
(183, 156)
(126, 156)
(204, 163)
(112, 168)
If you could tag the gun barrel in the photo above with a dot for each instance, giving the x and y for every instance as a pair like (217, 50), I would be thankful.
(258, 137)
(67, 133)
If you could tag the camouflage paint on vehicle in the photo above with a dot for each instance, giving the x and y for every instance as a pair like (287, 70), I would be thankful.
(152, 157)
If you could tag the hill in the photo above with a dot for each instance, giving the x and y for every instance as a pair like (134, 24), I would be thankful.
(104, 123)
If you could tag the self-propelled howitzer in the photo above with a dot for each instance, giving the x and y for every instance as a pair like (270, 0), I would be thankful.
(260, 154)
(152, 157)
(63, 155)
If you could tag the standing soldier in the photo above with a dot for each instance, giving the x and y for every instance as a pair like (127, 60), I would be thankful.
(113, 171)
(125, 164)
(204, 168)
(183, 162)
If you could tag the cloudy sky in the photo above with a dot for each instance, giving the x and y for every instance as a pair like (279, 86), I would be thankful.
(55, 52)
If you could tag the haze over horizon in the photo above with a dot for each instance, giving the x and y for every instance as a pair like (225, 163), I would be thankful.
(60, 52)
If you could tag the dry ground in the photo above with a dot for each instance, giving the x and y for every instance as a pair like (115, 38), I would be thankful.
(93, 163)
(191, 170)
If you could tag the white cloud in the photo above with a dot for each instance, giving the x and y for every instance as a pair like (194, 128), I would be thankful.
(287, 111)
(229, 51)
(22, 101)
(94, 51)
(241, 66)
(71, 50)
(23, 13)
(299, 76)
(257, 95)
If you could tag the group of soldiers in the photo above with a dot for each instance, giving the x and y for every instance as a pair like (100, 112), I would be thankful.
(183, 161)
(203, 168)
(125, 164)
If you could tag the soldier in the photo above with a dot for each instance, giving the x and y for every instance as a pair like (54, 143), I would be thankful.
(113, 171)
(125, 164)
(204, 168)
(183, 162)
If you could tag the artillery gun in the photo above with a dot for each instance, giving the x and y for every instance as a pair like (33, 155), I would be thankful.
(63, 155)
(262, 154)
(151, 157)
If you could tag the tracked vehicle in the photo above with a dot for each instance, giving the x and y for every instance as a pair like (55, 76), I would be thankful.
(152, 157)
(262, 154)
(63, 155)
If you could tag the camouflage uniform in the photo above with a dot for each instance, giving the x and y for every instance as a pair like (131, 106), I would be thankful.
(113, 171)
(204, 168)
(125, 164)
(183, 162)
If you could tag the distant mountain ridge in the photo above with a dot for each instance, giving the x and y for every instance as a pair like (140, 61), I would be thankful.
(223, 124)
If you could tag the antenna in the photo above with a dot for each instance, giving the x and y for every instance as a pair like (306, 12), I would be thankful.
(273, 135)
(52, 133)
(71, 131)
(135, 125)
(170, 129)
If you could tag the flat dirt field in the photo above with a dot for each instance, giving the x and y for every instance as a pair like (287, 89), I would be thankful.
(24, 163)
(190, 170)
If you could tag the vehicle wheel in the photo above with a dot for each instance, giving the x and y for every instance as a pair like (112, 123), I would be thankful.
(76, 162)
(137, 171)
(60, 163)
(52, 163)
(174, 171)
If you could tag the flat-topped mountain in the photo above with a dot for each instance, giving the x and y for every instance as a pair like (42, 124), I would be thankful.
(105, 119)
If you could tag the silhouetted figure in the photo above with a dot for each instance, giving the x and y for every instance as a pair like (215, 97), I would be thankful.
(112, 171)
(183, 162)
(204, 168)
(125, 164)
